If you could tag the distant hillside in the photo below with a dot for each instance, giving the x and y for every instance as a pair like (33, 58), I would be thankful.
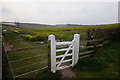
(26, 25)
(69, 25)
(33, 25)
(8, 24)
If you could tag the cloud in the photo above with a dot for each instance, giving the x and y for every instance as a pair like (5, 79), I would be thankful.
(60, 0)
(61, 12)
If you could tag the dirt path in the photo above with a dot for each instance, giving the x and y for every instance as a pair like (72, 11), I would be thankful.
(68, 72)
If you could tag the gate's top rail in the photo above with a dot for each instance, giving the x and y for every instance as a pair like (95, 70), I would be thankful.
(64, 43)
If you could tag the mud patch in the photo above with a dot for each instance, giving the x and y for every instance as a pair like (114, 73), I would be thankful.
(68, 73)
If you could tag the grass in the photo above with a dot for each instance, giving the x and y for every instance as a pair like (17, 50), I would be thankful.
(44, 74)
(104, 64)
(21, 44)
(61, 33)
(16, 55)
(27, 62)
(28, 69)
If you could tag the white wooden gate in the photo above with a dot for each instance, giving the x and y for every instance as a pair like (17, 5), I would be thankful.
(74, 46)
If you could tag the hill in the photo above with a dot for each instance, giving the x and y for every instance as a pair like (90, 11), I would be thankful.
(33, 25)
(25, 25)
(69, 25)
(36, 25)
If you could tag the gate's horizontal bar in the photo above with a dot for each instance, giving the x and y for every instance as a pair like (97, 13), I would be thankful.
(63, 55)
(86, 52)
(42, 62)
(63, 67)
(41, 55)
(85, 56)
(63, 49)
(31, 72)
(64, 43)
(64, 61)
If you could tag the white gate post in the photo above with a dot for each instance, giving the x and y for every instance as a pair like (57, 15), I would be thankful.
(53, 52)
(76, 47)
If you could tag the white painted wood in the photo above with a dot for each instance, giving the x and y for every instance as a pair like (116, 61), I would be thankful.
(64, 61)
(63, 49)
(76, 48)
(63, 55)
(64, 43)
(63, 67)
(53, 53)
(73, 50)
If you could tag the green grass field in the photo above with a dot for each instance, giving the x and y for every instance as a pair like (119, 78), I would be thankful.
(104, 64)
(26, 37)
(61, 33)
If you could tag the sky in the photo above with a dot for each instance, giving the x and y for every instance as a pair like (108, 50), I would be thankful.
(60, 12)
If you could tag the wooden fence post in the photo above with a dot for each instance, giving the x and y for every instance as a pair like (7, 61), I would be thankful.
(92, 35)
(6, 61)
(52, 53)
(88, 43)
(49, 57)
(76, 47)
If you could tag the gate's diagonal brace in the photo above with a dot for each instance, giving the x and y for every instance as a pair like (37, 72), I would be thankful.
(65, 54)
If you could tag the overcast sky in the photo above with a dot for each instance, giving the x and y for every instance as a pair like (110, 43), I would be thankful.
(60, 12)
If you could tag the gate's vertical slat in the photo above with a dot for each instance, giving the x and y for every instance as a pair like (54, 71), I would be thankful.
(53, 53)
(73, 53)
(76, 48)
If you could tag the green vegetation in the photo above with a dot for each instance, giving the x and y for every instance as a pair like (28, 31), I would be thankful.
(64, 33)
(86, 68)
(104, 64)
(44, 75)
